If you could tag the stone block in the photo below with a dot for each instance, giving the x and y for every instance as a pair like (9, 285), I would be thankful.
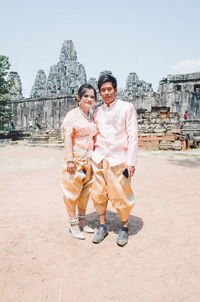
(154, 138)
(148, 145)
(177, 145)
(160, 134)
(165, 145)
(167, 120)
(153, 115)
(169, 145)
(164, 115)
(143, 138)
(169, 138)
(176, 130)
(159, 130)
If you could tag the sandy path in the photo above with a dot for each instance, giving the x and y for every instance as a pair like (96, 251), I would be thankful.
(40, 261)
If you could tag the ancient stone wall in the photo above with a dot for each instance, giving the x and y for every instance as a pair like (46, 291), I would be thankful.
(191, 133)
(182, 93)
(44, 112)
(159, 130)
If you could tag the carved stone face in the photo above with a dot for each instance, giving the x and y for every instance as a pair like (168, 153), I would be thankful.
(108, 93)
(87, 100)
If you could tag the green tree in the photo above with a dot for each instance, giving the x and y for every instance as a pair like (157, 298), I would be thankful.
(5, 107)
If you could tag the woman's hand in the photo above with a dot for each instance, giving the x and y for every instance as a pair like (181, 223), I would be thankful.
(71, 166)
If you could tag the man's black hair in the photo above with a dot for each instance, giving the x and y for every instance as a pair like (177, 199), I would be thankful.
(107, 78)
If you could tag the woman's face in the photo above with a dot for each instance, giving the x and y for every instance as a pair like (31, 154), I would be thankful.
(87, 100)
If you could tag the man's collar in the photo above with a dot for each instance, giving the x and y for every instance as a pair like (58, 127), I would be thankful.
(110, 105)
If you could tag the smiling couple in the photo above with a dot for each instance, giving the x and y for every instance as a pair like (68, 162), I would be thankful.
(99, 159)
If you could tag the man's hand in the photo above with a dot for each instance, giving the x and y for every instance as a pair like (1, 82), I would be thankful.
(131, 170)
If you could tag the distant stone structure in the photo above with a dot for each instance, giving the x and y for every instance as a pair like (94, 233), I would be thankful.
(93, 82)
(134, 86)
(16, 90)
(44, 112)
(64, 78)
(159, 129)
(39, 87)
(181, 93)
(160, 114)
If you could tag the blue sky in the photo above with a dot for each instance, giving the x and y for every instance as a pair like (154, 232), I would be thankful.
(150, 37)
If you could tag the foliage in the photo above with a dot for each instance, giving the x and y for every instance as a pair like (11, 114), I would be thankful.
(5, 104)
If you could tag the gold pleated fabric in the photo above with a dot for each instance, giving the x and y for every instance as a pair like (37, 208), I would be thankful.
(110, 184)
(76, 187)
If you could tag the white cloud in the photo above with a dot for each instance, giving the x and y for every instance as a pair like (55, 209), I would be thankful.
(186, 66)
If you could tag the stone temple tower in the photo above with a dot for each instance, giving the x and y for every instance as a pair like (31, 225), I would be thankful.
(15, 92)
(39, 87)
(64, 78)
(68, 75)
(134, 86)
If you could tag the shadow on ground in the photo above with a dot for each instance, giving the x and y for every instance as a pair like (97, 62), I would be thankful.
(194, 163)
(114, 223)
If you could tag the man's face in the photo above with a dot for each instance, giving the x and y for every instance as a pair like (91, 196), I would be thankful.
(108, 93)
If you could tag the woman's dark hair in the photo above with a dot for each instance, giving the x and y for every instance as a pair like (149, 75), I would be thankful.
(82, 90)
(107, 78)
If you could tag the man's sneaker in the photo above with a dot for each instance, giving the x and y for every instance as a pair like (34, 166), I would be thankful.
(122, 238)
(100, 235)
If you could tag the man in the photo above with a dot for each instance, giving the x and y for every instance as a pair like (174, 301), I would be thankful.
(115, 153)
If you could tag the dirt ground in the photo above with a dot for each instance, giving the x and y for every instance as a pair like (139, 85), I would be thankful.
(40, 261)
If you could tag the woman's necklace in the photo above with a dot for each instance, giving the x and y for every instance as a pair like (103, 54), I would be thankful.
(88, 117)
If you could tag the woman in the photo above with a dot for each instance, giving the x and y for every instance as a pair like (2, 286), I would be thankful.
(78, 130)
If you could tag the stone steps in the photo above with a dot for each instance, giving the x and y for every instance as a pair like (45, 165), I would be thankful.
(55, 137)
(48, 137)
(39, 139)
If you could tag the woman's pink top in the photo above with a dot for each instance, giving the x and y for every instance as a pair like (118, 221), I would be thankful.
(80, 129)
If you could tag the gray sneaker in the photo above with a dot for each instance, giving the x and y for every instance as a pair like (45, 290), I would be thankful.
(122, 238)
(100, 235)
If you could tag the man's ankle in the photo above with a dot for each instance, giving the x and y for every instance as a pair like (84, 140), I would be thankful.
(125, 229)
(104, 226)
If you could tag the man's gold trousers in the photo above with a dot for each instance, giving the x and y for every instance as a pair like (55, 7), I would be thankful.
(110, 184)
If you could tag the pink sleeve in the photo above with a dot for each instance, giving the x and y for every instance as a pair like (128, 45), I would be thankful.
(132, 132)
(67, 127)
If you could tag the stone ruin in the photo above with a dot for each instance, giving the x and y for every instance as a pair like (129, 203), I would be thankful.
(16, 90)
(159, 129)
(160, 114)
(181, 93)
(39, 87)
(64, 78)
(137, 87)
